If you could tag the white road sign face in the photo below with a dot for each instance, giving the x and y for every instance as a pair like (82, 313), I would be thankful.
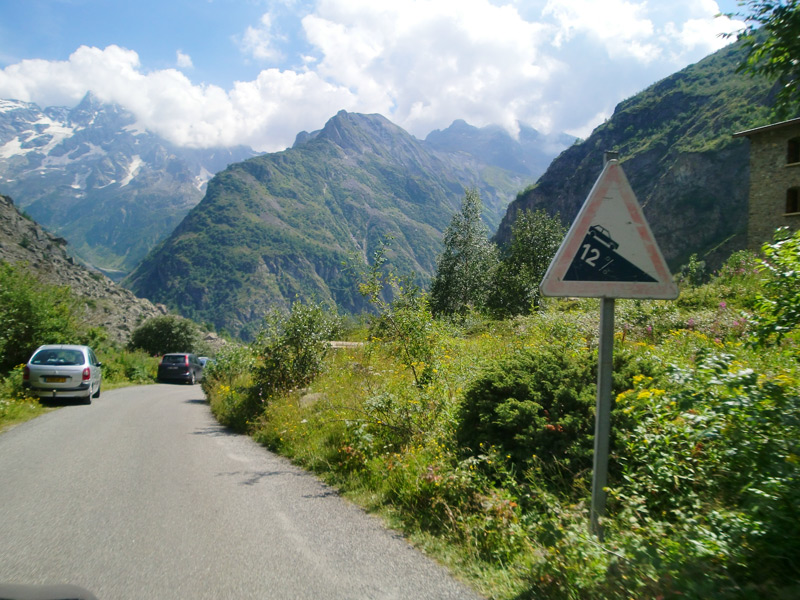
(609, 251)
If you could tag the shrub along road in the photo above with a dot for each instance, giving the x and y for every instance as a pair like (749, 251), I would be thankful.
(143, 495)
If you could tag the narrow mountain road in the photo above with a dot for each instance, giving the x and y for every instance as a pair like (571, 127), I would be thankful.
(142, 495)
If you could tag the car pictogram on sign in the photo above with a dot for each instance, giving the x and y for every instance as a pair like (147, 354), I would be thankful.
(601, 234)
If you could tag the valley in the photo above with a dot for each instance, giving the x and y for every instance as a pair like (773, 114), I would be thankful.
(460, 406)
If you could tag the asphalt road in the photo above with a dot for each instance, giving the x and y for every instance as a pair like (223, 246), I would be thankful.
(142, 495)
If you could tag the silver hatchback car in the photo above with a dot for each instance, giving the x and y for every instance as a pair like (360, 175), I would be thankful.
(63, 371)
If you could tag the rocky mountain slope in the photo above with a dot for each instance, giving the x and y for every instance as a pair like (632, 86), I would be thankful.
(286, 224)
(24, 242)
(676, 147)
(93, 177)
(529, 154)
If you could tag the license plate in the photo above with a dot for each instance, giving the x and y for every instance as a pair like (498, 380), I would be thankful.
(55, 379)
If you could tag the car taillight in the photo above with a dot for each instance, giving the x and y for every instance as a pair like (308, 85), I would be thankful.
(187, 361)
(26, 374)
(87, 374)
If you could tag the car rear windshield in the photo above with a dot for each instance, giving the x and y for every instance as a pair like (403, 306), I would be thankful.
(174, 359)
(58, 357)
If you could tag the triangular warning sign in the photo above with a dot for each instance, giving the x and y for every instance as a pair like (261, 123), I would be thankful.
(609, 251)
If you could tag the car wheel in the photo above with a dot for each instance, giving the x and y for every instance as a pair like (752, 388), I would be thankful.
(97, 393)
(192, 379)
(87, 399)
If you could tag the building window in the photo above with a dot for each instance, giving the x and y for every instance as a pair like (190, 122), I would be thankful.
(792, 201)
(793, 151)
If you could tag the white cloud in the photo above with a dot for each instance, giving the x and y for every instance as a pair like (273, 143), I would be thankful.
(183, 60)
(113, 71)
(644, 30)
(258, 42)
(621, 26)
(561, 66)
(424, 61)
(702, 29)
(266, 113)
(584, 130)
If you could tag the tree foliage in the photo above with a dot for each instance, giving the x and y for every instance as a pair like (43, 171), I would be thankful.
(31, 314)
(466, 266)
(779, 306)
(405, 323)
(293, 347)
(772, 37)
(168, 333)
(535, 238)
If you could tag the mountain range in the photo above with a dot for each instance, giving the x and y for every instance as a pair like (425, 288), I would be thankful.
(290, 224)
(92, 176)
(529, 153)
(114, 190)
(287, 225)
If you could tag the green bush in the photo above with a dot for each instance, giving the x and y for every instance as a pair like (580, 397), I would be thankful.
(168, 333)
(236, 407)
(405, 322)
(709, 480)
(134, 366)
(535, 406)
(779, 307)
(735, 285)
(292, 348)
(32, 313)
(692, 273)
(15, 403)
(227, 381)
(230, 366)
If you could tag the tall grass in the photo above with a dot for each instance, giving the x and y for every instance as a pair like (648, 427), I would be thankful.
(474, 438)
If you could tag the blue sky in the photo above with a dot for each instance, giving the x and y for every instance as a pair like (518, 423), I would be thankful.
(256, 72)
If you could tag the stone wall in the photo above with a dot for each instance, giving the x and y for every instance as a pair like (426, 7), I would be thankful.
(771, 175)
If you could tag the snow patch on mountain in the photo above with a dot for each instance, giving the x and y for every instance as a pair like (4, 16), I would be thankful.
(44, 135)
(133, 168)
(135, 129)
(8, 105)
(58, 132)
(56, 158)
(79, 181)
(12, 148)
(202, 179)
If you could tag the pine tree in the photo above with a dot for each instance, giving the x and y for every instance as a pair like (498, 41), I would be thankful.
(466, 266)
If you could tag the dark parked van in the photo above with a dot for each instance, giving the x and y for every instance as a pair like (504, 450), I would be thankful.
(179, 366)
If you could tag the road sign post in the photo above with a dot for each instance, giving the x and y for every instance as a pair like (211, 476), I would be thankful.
(609, 252)
(602, 419)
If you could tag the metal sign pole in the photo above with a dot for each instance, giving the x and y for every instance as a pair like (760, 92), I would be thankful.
(602, 429)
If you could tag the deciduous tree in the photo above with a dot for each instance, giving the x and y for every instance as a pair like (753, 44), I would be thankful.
(168, 333)
(33, 313)
(772, 37)
(535, 238)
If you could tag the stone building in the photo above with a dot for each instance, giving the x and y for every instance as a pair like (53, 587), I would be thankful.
(774, 180)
